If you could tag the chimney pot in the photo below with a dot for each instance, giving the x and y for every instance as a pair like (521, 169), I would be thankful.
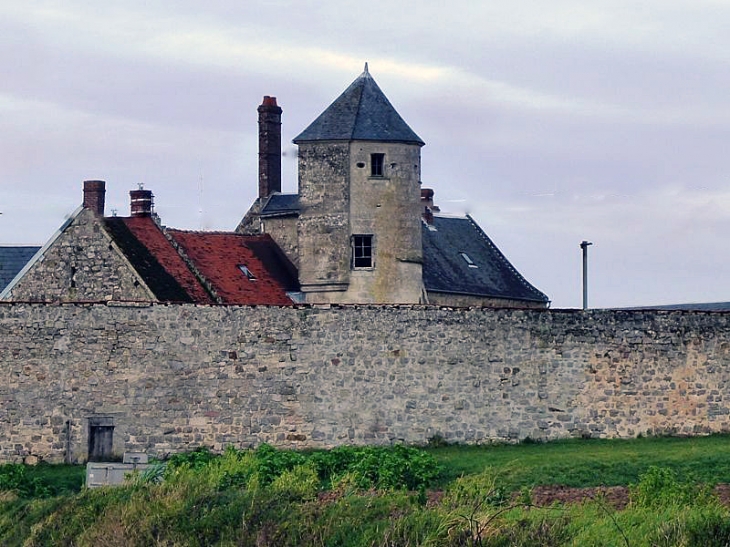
(94, 195)
(427, 203)
(141, 203)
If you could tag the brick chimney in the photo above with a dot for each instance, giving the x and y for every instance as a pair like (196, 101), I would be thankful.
(427, 206)
(269, 147)
(141, 204)
(94, 193)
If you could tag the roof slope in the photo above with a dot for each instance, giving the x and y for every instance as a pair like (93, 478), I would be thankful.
(12, 260)
(220, 255)
(446, 270)
(361, 113)
(156, 260)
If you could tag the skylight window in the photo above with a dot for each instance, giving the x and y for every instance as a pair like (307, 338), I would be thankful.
(245, 271)
(468, 260)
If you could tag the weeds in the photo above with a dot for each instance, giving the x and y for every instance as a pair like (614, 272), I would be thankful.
(357, 496)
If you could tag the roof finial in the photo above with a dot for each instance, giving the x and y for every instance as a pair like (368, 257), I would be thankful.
(366, 67)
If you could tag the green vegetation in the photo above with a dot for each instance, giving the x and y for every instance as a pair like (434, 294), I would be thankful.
(376, 496)
(595, 462)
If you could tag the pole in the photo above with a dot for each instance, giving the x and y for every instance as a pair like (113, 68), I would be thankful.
(584, 245)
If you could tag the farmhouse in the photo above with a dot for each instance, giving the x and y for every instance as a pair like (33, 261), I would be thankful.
(352, 312)
(361, 229)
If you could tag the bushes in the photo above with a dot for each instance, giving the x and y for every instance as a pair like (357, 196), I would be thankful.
(661, 487)
(351, 497)
(14, 478)
(388, 468)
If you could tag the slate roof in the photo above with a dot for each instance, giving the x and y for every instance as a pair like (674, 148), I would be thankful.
(445, 270)
(362, 113)
(219, 255)
(280, 205)
(12, 260)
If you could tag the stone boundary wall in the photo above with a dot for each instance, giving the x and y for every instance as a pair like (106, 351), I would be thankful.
(173, 377)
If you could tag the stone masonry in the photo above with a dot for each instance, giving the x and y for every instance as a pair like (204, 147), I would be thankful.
(173, 377)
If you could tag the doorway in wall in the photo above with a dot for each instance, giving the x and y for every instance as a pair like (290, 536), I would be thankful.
(101, 436)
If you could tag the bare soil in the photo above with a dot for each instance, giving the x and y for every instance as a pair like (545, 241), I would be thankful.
(615, 496)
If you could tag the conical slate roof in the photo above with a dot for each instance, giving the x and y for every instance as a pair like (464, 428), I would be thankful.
(361, 113)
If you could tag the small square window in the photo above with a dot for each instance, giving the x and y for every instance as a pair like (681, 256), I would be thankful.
(362, 251)
(377, 162)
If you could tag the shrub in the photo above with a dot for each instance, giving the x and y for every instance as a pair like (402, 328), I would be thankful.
(393, 468)
(298, 484)
(661, 487)
(196, 459)
(14, 478)
(476, 492)
(271, 462)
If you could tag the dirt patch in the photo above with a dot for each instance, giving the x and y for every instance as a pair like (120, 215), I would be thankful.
(615, 496)
(544, 496)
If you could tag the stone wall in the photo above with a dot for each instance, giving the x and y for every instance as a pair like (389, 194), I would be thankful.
(82, 264)
(174, 377)
(324, 224)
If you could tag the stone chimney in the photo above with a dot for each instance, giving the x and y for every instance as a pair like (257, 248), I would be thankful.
(269, 147)
(94, 193)
(427, 206)
(141, 204)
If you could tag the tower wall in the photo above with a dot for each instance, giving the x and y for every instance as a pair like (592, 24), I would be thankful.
(388, 207)
(340, 198)
(324, 229)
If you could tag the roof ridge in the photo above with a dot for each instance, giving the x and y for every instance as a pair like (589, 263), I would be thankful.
(506, 262)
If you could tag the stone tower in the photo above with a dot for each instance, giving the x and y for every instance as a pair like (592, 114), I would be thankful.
(359, 228)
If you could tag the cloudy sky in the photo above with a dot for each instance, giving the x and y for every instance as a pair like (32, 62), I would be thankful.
(548, 122)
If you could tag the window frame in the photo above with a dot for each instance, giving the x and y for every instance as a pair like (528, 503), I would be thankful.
(362, 249)
(377, 165)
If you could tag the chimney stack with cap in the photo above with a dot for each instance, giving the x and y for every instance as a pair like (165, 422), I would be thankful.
(427, 206)
(94, 193)
(269, 147)
(141, 202)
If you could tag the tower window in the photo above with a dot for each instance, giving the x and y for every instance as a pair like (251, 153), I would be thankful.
(376, 165)
(362, 251)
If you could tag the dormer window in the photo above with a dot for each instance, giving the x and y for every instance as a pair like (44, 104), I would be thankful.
(245, 271)
(468, 260)
(377, 161)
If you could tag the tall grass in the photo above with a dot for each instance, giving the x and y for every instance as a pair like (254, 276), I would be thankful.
(377, 497)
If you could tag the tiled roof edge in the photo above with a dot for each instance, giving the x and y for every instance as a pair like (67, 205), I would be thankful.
(539, 295)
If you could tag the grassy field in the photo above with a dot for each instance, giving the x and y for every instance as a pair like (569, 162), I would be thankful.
(381, 497)
(595, 462)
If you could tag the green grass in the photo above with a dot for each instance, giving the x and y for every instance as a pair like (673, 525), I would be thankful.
(270, 498)
(582, 463)
(60, 478)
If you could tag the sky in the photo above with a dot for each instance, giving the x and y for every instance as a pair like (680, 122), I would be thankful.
(549, 123)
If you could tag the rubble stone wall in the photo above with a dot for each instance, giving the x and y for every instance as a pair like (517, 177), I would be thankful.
(83, 264)
(173, 377)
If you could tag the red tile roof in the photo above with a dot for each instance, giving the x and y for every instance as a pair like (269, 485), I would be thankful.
(149, 234)
(219, 256)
